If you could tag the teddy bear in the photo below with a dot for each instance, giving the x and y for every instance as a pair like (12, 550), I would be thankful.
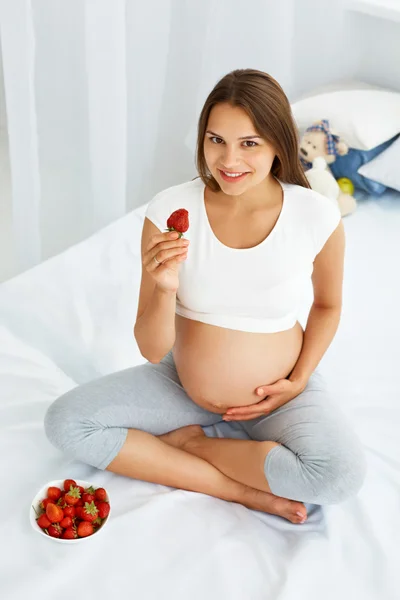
(318, 142)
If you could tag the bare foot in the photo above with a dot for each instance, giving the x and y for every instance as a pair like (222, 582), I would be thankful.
(179, 438)
(275, 505)
(251, 498)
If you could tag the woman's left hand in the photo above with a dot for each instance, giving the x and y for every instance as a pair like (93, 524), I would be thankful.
(275, 395)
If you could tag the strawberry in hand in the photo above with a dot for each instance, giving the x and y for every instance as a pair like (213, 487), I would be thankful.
(178, 221)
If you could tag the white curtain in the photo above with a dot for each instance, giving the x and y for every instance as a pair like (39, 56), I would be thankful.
(103, 98)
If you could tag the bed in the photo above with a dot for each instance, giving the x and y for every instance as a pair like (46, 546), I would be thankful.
(70, 319)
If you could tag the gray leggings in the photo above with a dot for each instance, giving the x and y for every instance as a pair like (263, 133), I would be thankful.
(319, 461)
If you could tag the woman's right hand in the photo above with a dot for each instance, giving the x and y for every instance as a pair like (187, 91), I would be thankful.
(170, 251)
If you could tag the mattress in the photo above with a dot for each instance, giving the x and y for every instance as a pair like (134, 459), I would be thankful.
(70, 319)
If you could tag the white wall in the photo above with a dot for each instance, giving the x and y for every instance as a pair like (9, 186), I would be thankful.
(378, 42)
(332, 43)
(303, 43)
(323, 49)
(2, 97)
(329, 42)
(204, 42)
(8, 266)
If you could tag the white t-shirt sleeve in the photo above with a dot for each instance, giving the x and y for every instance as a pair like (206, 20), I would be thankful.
(327, 218)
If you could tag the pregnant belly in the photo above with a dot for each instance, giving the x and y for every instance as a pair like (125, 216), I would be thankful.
(221, 368)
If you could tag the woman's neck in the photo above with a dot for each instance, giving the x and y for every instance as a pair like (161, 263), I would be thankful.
(263, 195)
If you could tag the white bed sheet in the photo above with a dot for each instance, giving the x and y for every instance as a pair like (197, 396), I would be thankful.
(70, 320)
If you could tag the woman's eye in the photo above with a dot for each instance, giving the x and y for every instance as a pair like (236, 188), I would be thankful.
(220, 140)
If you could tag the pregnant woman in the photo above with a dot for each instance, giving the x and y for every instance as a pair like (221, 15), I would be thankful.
(217, 325)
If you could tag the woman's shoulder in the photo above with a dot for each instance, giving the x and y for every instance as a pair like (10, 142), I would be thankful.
(314, 213)
(310, 203)
(180, 190)
(306, 194)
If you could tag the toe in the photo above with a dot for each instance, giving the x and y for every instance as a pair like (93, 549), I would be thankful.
(296, 512)
(300, 514)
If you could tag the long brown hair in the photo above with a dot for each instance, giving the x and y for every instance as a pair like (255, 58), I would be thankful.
(265, 102)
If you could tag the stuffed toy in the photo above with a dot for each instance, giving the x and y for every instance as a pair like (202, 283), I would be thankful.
(318, 142)
(347, 167)
(321, 180)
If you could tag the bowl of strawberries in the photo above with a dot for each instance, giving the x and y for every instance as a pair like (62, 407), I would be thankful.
(69, 510)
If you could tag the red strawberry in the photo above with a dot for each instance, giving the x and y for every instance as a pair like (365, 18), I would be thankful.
(104, 509)
(61, 500)
(89, 512)
(69, 534)
(73, 496)
(54, 493)
(100, 494)
(178, 221)
(84, 529)
(81, 489)
(54, 513)
(44, 503)
(43, 521)
(97, 523)
(78, 511)
(68, 483)
(66, 522)
(87, 498)
(69, 511)
(54, 531)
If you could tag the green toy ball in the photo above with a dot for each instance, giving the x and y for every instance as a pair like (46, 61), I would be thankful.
(346, 185)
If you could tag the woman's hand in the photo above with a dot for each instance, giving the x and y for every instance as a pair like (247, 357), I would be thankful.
(170, 251)
(275, 395)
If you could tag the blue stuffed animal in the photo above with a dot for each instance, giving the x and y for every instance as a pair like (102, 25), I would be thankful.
(318, 140)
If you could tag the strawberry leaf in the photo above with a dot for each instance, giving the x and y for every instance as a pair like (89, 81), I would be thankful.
(91, 508)
(74, 492)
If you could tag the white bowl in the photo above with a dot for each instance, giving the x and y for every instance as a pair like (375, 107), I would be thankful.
(42, 493)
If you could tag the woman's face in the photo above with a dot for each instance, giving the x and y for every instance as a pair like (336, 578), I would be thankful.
(224, 151)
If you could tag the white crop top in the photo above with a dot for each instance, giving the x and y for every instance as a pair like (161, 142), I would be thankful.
(256, 289)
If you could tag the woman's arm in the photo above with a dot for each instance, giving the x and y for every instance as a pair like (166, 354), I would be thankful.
(155, 329)
(323, 319)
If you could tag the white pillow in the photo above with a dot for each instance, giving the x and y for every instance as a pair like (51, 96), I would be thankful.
(339, 86)
(363, 118)
(385, 168)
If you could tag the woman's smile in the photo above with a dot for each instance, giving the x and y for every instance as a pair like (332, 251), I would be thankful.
(232, 178)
